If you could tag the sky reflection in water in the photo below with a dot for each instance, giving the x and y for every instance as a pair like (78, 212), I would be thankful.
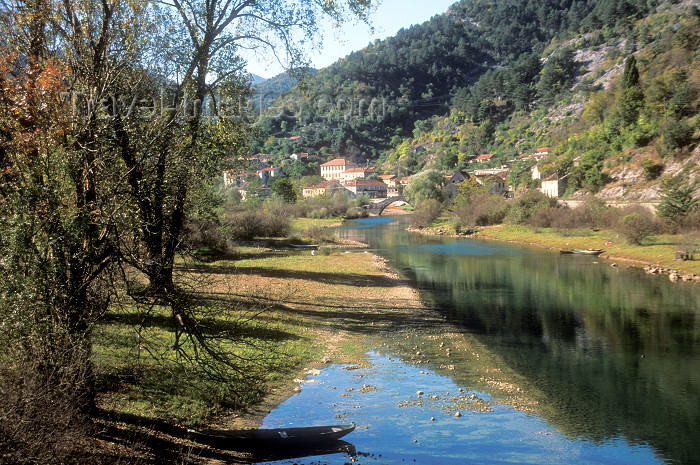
(394, 428)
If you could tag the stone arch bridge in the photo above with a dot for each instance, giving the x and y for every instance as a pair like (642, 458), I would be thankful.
(378, 208)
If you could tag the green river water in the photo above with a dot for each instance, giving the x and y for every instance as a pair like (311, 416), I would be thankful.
(613, 353)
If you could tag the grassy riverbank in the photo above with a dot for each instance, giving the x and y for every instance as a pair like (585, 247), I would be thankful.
(304, 309)
(657, 251)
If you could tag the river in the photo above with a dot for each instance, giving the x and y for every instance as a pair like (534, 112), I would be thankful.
(609, 357)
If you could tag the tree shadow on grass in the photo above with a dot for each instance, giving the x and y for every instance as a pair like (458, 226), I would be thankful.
(354, 279)
(158, 442)
(242, 328)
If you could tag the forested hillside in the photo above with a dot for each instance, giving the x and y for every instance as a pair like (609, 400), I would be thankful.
(453, 60)
(617, 105)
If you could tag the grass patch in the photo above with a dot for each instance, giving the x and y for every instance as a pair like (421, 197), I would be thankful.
(304, 223)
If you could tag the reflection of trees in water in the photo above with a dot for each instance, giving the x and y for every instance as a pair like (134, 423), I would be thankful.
(615, 351)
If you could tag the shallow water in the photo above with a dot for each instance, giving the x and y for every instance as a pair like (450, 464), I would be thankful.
(611, 354)
(396, 425)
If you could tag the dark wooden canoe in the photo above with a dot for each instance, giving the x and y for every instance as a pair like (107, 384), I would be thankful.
(255, 439)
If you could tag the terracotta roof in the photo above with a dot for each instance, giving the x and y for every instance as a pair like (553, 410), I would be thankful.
(486, 156)
(295, 138)
(543, 149)
(339, 162)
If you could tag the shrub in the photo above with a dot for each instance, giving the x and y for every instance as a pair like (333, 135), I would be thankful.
(319, 213)
(246, 225)
(317, 234)
(677, 134)
(636, 225)
(202, 234)
(43, 417)
(652, 170)
(426, 213)
(355, 212)
(524, 207)
(483, 209)
(546, 217)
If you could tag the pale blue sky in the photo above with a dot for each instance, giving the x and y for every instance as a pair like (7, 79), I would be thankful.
(391, 16)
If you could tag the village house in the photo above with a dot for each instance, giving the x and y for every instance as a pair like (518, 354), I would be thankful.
(540, 153)
(394, 188)
(230, 177)
(493, 182)
(334, 169)
(389, 179)
(536, 173)
(497, 171)
(355, 173)
(374, 188)
(455, 180)
(485, 158)
(554, 186)
(237, 177)
(403, 181)
(322, 188)
(266, 173)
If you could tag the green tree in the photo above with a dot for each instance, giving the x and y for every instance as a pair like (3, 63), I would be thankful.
(630, 99)
(425, 185)
(557, 75)
(677, 134)
(284, 188)
(677, 199)
(114, 182)
(630, 76)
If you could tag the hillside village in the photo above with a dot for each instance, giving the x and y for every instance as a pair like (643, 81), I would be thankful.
(345, 176)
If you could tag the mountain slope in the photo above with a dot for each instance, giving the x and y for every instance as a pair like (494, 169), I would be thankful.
(416, 74)
(619, 107)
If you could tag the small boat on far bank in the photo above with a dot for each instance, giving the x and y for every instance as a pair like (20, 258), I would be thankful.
(256, 439)
(583, 251)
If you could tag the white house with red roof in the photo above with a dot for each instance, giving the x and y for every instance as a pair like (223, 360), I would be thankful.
(334, 169)
(266, 173)
(485, 158)
(356, 173)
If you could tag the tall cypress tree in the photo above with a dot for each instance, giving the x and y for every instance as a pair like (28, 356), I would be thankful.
(630, 77)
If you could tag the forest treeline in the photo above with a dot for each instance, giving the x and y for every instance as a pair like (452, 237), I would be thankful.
(452, 60)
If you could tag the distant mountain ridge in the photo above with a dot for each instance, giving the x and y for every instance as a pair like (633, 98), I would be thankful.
(283, 82)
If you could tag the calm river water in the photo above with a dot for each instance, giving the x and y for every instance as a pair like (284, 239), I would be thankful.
(613, 353)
